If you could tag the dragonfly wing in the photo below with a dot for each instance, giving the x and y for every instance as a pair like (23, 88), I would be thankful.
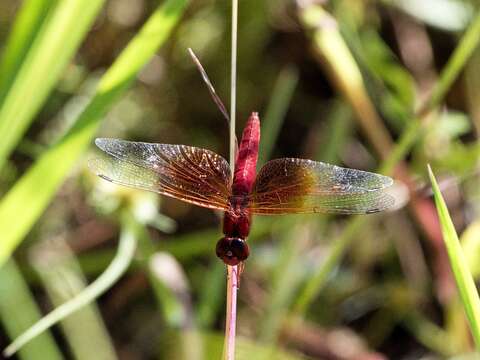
(304, 186)
(191, 174)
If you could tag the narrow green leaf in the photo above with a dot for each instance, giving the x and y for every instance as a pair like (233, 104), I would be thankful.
(63, 280)
(18, 311)
(42, 180)
(430, 334)
(52, 49)
(118, 266)
(26, 27)
(313, 286)
(174, 303)
(463, 277)
(285, 279)
(211, 296)
(455, 64)
(276, 111)
(335, 134)
(470, 240)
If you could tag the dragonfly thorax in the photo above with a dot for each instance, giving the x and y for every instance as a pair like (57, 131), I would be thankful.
(237, 205)
(236, 222)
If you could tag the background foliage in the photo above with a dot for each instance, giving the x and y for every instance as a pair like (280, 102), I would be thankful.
(379, 85)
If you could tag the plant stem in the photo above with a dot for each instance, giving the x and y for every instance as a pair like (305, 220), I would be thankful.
(463, 52)
(232, 271)
(233, 83)
(123, 258)
(18, 311)
(231, 318)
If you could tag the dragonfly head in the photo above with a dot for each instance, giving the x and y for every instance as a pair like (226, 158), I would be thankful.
(232, 250)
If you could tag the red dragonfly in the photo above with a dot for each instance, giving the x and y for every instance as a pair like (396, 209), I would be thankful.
(203, 178)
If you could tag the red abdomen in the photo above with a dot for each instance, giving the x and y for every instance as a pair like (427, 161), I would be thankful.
(237, 220)
(246, 164)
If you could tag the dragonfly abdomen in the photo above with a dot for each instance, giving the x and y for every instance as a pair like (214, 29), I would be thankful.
(246, 164)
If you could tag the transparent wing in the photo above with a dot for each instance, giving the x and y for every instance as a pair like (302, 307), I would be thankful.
(304, 186)
(191, 174)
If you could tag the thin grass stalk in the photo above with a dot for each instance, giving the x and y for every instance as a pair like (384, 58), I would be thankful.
(463, 52)
(121, 262)
(18, 310)
(175, 304)
(285, 277)
(62, 278)
(232, 271)
(231, 321)
(318, 280)
(430, 334)
(233, 84)
(211, 297)
(277, 108)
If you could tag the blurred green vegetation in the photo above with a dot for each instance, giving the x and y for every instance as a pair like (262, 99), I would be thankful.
(380, 85)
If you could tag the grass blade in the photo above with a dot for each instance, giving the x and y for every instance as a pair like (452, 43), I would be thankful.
(346, 76)
(26, 27)
(470, 241)
(276, 111)
(455, 65)
(52, 49)
(285, 278)
(172, 292)
(315, 284)
(232, 271)
(463, 277)
(62, 278)
(18, 311)
(211, 296)
(51, 169)
(123, 258)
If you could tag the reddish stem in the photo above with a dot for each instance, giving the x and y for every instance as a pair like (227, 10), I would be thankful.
(231, 316)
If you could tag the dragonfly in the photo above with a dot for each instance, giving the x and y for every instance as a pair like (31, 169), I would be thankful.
(202, 177)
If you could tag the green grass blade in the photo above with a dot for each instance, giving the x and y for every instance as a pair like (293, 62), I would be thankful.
(276, 111)
(463, 277)
(24, 30)
(315, 284)
(52, 49)
(335, 134)
(18, 311)
(210, 298)
(456, 63)
(50, 170)
(430, 334)
(285, 279)
(62, 278)
(174, 303)
(123, 258)
(470, 240)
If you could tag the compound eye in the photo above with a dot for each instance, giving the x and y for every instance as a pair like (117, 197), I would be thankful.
(240, 248)
(232, 250)
(223, 246)
(224, 251)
